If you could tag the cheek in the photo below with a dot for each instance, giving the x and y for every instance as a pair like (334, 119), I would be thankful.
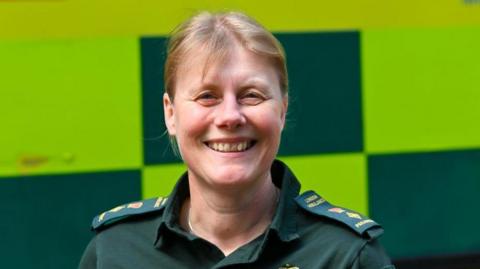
(269, 121)
(190, 121)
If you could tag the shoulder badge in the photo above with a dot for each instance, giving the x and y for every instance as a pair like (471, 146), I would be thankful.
(124, 211)
(362, 225)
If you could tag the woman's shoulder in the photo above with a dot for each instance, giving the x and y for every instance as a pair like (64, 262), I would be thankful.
(345, 236)
(326, 214)
(126, 211)
(128, 228)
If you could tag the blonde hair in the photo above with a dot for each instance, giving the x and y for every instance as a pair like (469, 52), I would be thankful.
(216, 34)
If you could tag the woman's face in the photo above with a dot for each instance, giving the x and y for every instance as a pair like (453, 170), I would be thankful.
(227, 120)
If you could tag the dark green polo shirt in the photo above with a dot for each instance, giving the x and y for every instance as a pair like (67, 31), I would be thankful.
(297, 238)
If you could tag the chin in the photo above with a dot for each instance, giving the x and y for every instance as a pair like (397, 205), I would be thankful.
(231, 177)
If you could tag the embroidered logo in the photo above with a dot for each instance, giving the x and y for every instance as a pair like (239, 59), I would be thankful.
(116, 209)
(336, 210)
(354, 215)
(135, 205)
(288, 266)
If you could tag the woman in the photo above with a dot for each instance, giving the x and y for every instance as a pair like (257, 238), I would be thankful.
(225, 105)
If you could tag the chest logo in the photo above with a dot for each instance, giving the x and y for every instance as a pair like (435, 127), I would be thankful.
(288, 266)
(354, 215)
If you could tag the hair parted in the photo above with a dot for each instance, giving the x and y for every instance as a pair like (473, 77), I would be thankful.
(217, 34)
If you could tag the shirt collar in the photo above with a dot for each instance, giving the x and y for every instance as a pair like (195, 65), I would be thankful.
(283, 223)
(169, 221)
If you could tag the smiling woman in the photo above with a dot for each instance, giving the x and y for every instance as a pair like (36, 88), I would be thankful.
(225, 104)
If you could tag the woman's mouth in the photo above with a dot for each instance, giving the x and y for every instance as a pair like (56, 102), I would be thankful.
(230, 147)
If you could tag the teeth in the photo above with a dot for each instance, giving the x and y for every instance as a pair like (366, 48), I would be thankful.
(229, 147)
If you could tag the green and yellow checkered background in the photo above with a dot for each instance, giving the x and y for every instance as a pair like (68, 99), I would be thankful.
(384, 116)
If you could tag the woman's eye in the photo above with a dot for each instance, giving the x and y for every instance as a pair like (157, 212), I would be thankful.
(252, 98)
(206, 98)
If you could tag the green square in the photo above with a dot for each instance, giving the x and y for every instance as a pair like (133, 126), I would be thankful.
(427, 202)
(69, 105)
(46, 219)
(421, 89)
(325, 97)
(156, 145)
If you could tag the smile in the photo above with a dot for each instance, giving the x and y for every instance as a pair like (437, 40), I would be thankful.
(230, 147)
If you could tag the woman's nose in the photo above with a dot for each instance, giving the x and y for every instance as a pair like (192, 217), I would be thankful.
(230, 115)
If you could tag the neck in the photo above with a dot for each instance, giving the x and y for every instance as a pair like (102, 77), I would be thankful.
(230, 220)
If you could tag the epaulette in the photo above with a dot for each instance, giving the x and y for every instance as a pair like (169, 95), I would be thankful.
(124, 211)
(362, 225)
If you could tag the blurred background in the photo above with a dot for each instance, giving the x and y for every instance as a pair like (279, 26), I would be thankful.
(384, 117)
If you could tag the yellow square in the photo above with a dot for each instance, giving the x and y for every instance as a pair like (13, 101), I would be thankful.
(338, 178)
(70, 105)
(159, 180)
(421, 89)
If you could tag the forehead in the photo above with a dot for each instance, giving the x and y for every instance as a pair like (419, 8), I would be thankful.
(207, 64)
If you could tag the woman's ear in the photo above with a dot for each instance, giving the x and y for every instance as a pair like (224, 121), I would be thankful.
(169, 113)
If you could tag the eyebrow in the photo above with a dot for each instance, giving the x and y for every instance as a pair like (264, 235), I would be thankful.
(198, 88)
(250, 80)
(256, 80)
